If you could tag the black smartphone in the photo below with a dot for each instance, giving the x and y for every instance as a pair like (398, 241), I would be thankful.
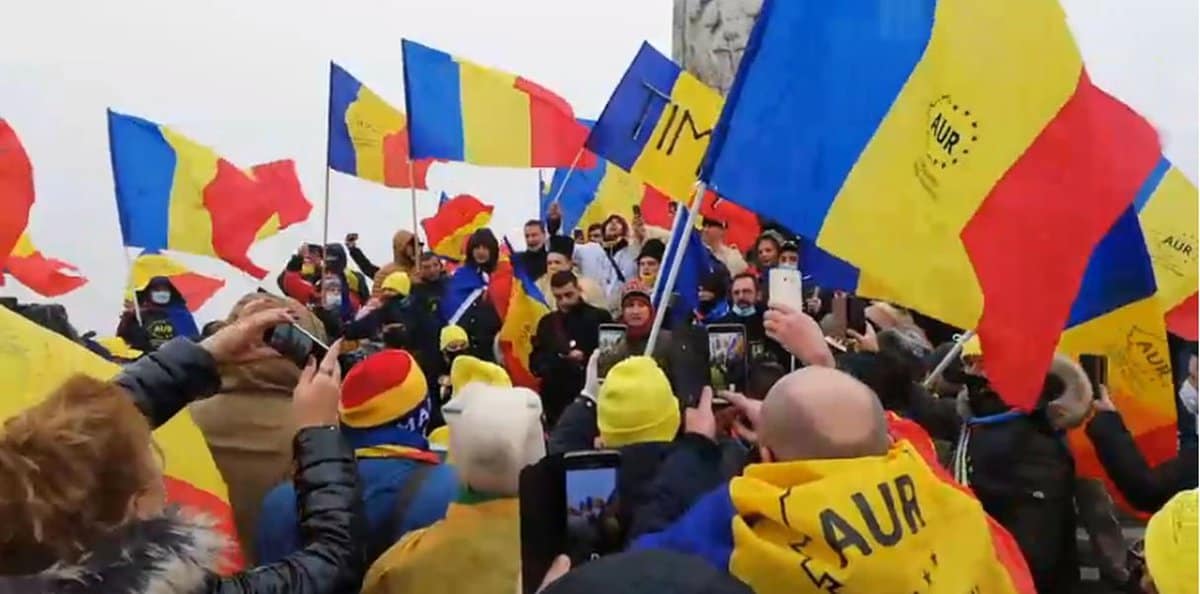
(1095, 367)
(590, 495)
(856, 314)
(295, 343)
(542, 500)
(728, 368)
(612, 348)
(637, 211)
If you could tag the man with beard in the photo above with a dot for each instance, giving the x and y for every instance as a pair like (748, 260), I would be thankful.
(562, 344)
(746, 310)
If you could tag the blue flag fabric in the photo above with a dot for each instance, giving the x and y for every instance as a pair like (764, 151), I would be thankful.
(698, 262)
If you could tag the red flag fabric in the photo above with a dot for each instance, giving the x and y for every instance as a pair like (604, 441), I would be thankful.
(447, 231)
(278, 179)
(1181, 320)
(16, 190)
(47, 277)
(741, 225)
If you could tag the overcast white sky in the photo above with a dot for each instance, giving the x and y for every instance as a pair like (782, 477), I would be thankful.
(249, 78)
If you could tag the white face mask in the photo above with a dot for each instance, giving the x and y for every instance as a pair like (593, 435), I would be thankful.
(160, 297)
(333, 299)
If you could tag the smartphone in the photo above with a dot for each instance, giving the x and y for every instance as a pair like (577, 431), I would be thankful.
(295, 343)
(590, 496)
(728, 366)
(637, 211)
(566, 508)
(856, 314)
(785, 287)
(1095, 367)
(612, 348)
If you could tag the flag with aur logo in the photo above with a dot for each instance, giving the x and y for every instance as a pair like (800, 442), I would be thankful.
(657, 124)
(963, 136)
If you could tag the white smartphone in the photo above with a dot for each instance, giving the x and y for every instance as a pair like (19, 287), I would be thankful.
(784, 287)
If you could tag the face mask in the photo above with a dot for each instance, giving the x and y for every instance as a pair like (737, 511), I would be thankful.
(744, 312)
(333, 299)
(160, 297)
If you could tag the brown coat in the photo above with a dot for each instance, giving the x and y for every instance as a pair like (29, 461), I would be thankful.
(401, 261)
(248, 425)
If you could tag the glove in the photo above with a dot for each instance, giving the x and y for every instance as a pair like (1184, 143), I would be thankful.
(591, 382)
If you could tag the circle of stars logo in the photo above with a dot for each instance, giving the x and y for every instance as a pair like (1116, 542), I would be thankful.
(953, 131)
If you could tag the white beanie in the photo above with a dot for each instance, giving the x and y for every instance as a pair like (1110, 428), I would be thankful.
(494, 433)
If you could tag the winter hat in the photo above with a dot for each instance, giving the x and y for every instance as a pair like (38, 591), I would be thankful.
(637, 289)
(653, 248)
(494, 433)
(383, 388)
(467, 369)
(716, 283)
(636, 404)
(561, 244)
(648, 571)
(1067, 393)
(1171, 545)
(452, 334)
(397, 281)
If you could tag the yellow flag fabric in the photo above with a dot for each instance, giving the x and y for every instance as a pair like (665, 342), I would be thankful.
(866, 525)
(34, 361)
(1169, 220)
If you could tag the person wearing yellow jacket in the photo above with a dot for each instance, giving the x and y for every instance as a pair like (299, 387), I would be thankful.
(494, 433)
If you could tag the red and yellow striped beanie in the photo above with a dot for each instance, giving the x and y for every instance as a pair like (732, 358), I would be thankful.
(381, 389)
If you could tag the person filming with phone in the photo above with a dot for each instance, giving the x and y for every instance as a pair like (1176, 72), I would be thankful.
(562, 344)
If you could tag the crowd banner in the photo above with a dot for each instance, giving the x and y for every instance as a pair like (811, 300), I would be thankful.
(668, 286)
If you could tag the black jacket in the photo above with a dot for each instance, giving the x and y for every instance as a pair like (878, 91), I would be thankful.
(557, 334)
(1144, 487)
(325, 475)
(690, 467)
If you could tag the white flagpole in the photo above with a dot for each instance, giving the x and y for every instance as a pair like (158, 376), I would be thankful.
(945, 362)
(668, 287)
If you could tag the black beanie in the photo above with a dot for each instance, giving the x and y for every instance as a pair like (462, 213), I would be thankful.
(561, 244)
(653, 248)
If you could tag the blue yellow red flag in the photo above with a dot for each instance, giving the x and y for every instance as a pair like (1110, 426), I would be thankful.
(175, 194)
(588, 195)
(526, 306)
(936, 132)
(16, 190)
(35, 361)
(461, 111)
(195, 288)
(1118, 314)
(456, 219)
(368, 138)
(1168, 209)
(657, 124)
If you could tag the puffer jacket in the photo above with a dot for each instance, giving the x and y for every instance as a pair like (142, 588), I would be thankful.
(174, 555)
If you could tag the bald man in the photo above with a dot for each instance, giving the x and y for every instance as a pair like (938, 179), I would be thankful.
(819, 413)
(815, 413)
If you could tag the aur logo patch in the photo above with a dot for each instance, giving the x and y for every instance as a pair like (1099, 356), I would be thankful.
(951, 134)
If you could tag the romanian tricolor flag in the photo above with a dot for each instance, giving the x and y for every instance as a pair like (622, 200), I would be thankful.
(16, 190)
(964, 137)
(277, 183)
(589, 195)
(47, 277)
(368, 138)
(456, 219)
(850, 525)
(36, 361)
(1168, 209)
(525, 308)
(175, 194)
(461, 111)
(196, 288)
(741, 226)
(1118, 313)
(658, 123)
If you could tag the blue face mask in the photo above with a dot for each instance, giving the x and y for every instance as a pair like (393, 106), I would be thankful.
(744, 312)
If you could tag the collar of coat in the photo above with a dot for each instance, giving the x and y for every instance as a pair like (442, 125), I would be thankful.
(171, 554)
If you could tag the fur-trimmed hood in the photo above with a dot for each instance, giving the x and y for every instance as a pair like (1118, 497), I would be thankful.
(166, 555)
(1067, 395)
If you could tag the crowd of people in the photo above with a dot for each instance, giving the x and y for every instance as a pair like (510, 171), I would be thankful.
(393, 464)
